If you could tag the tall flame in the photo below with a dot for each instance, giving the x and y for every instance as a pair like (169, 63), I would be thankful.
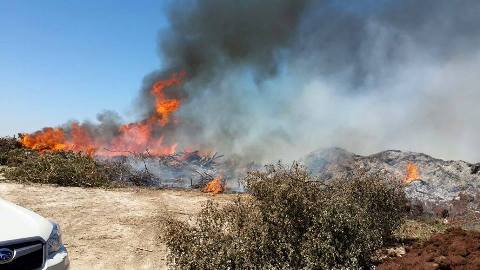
(164, 106)
(131, 137)
(412, 173)
(215, 186)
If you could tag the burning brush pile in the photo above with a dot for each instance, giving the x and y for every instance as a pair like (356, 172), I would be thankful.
(139, 153)
(443, 188)
(153, 133)
(71, 168)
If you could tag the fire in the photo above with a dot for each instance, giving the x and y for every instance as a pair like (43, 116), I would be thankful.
(47, 139)
(131, 137)
(412, 173)
(215, 186)
(81, 140)
(164, 106)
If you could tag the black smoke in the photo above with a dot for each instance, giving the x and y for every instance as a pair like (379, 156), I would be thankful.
(277, 78)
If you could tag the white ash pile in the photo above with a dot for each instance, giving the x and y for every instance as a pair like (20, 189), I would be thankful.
(183, 169)
(440, 187)
(192, 169)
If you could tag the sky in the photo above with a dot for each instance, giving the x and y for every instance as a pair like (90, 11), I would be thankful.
(64, 60)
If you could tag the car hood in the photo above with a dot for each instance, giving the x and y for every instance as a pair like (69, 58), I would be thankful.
(17, 223)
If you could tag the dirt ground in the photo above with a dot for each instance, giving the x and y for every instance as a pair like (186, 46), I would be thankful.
(109, 229)
(453, 249)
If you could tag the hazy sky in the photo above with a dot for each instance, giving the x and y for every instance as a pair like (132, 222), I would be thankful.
(62, 60)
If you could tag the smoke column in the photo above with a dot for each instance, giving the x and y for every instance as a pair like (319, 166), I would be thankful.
(276, 79)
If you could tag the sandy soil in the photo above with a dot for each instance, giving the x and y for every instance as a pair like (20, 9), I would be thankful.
(109, 229)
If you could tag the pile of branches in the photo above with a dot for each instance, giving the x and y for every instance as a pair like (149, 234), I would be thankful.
(184, 159)
(66, 168)
(182, 169)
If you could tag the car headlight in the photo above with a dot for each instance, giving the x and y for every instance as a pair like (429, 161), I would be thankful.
(54, 242)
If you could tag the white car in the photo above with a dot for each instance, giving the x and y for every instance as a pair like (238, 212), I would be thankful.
(29, 241)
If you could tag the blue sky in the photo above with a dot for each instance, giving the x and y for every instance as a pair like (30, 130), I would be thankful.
(64, 60)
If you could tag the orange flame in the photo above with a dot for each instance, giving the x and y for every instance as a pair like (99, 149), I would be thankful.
(164, 106)
(215, 186)
(412, 173)
(133, 137)
(47, 139)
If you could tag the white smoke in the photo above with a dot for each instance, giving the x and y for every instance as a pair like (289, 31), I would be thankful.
(399, 90)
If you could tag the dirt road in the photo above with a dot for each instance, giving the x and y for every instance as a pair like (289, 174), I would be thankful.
(109, 229)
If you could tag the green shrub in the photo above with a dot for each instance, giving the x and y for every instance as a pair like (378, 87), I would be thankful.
(290, 220)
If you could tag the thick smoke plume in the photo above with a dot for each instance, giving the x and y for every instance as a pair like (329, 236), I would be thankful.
(276, 79)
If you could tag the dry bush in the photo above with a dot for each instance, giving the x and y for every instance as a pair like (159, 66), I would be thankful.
(66, 168)
(10, 148)
(419, 230)
(290, 221)
(61, 168)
